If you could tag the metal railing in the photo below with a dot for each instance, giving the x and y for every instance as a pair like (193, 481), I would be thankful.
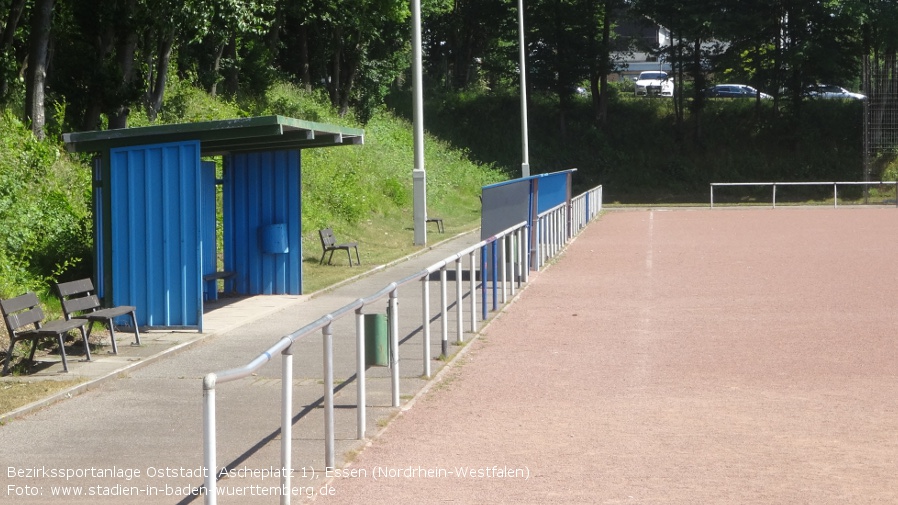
(505, 251)
(551, 233)
(555, 226)
(835, 186)
(584, 208)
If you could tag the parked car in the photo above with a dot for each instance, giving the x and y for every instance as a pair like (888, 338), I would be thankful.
(734, 91)
(830, 91)
(655, 83)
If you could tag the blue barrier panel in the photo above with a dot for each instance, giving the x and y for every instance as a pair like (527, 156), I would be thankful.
(554, 190)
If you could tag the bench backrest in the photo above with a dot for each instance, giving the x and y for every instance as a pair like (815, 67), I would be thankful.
(327, 238)
(77, 297)
(22, 311)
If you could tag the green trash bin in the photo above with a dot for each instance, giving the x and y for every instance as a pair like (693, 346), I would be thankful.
(377, 340)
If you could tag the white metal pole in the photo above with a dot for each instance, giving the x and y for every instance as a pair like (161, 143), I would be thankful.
(286, 422)
(394, 346)
(209, 438)
(525, 148)
(503, 268)
(361, 394)
(425, 322)
(419, 176)
(525, 248)
(328, 341)
(473, 283)
(444, 315)
(513, 257)
(459, 312)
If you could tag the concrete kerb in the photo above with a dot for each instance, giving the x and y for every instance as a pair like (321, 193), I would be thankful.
(451, 364)
(197, 338)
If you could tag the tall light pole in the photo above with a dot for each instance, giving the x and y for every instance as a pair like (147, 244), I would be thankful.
(419, 177)
(525, 146)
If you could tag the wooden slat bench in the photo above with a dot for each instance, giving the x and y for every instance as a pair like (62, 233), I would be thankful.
(23, 311)
(80, 301)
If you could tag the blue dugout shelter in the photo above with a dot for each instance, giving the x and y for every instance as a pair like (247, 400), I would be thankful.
(155, 219)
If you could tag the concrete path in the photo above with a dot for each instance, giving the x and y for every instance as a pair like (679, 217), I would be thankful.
(134, 433)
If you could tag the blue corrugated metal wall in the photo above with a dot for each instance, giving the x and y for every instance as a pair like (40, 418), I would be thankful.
(156, 232)
(262, 189)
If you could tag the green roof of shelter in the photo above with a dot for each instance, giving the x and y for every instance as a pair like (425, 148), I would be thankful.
(263, 133)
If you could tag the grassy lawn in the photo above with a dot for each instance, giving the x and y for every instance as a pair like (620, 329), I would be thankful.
(382, 240)
(17, 393)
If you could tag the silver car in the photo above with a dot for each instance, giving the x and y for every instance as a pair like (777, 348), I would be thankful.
(830, 91)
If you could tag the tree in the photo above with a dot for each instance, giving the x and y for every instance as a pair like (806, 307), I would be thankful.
(601, 47)
(36, 81)
(559, 36)
(14, 9)
(692, 24)
(342, 43)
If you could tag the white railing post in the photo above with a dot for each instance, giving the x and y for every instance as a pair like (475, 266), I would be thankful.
(286, 422)
(550, 237)
(209, 439)
(513, 257)
(444, 315)
(459, 297)
(394, 346)
(473, 283)
(503, 268)
(425, 322)
(525, 251)
(328, 362)
(836, 194)
(361, 393)
(537, 257)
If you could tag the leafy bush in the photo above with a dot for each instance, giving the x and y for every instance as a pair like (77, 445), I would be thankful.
(44, 208)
